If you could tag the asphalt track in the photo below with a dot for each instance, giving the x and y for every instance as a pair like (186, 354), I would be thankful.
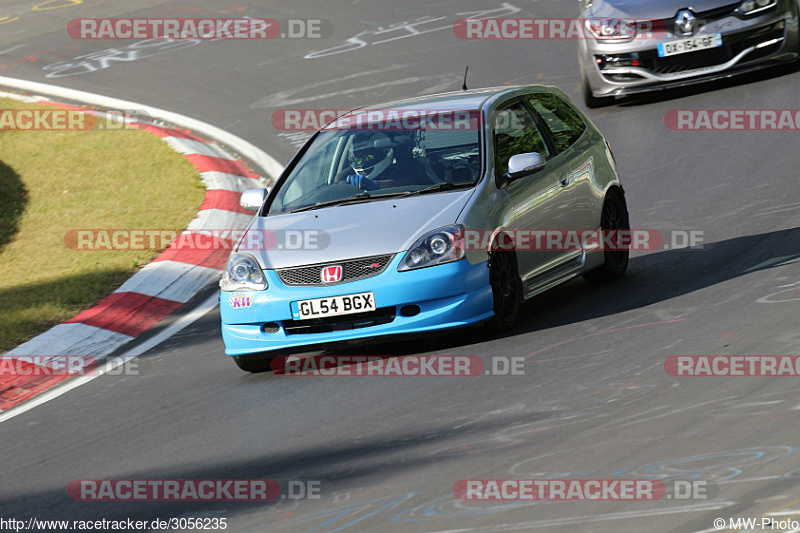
(595, 400)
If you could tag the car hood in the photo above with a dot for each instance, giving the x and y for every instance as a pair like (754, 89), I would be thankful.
(348, 231)
(649, 9)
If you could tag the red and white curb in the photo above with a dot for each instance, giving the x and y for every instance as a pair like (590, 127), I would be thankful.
(175, 275)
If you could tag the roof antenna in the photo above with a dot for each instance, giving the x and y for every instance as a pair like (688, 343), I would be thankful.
(464, 87)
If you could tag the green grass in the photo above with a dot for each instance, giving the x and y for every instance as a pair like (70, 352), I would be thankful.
(55, 181)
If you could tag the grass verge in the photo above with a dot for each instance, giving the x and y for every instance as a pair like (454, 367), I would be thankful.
(55, 181)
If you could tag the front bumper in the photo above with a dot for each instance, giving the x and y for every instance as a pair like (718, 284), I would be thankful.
(747, 46)
(450, 295)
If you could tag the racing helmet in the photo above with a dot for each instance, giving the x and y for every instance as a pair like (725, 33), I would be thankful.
(371, 153)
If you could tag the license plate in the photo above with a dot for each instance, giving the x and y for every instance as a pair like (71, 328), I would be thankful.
(692, 44)
(334, 306)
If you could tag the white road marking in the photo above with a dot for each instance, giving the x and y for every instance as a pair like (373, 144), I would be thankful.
(214, 180)
(751, 404)
(73, 339)
(219, 219)
(747, 480)
(7, 50)
(171, 280)
(190, 147)
(675, 411)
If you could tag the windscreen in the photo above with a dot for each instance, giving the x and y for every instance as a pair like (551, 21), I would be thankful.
(340, 163)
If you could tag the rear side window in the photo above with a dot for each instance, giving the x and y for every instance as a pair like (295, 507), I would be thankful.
(515, 132)
(564, 123)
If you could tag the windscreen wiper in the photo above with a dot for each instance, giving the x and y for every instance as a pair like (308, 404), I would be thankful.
(444, 186)
(339, 201)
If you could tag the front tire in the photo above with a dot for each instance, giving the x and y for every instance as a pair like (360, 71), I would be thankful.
(613, 218)
(253, 363)
(506, 290)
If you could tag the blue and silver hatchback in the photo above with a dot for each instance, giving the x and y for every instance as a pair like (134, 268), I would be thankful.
(403, 218)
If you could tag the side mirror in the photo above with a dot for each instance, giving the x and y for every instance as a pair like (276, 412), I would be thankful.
(521, 165)
(253, 199)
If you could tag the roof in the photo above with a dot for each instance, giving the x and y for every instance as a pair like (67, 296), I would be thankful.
(457, 100)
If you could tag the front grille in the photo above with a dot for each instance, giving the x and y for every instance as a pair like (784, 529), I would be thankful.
(382, 315)
(732, 45)
(352, 270)
(703, 17)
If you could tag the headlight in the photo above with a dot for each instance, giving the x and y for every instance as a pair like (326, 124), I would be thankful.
(611, 30)
(440, 246)
(751, 7)
(242, 273)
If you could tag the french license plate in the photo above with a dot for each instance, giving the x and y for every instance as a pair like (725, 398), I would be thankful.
(692, 44)
(334, 306)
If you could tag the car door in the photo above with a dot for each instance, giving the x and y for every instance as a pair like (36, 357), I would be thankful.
(535, 197)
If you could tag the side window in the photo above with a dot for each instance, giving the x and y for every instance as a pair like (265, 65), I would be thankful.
(515, 132)
(565, 125)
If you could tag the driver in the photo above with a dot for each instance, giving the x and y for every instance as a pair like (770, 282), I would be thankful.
(370, 155)
(374, 157)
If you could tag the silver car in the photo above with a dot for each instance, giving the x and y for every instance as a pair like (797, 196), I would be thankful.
(634, 46)
(426, 224)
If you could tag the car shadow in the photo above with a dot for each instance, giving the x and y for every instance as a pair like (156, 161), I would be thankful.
(335, 467)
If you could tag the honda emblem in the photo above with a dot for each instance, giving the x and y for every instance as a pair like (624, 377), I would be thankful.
(331, 274)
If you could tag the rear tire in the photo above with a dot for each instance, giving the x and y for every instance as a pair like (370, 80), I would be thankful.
(613, 218)
(253, 363)
(506, 290)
